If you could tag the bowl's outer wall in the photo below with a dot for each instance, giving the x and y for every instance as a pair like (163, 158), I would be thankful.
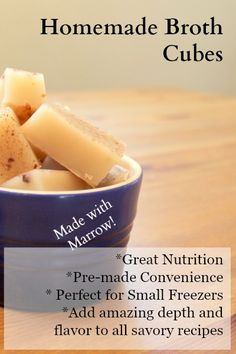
(28, 220)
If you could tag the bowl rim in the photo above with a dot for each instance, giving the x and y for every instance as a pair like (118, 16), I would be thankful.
(136, 174)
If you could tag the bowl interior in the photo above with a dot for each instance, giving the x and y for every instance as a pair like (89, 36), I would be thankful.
(135, 172)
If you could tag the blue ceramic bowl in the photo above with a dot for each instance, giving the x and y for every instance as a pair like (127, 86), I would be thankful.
(28, 219)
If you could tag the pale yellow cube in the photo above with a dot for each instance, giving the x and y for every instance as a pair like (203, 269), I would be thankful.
(23, 91)
(46, 180)
(16, 155)
(85, 150)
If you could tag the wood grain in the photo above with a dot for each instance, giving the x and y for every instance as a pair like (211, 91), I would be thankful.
(186, 143)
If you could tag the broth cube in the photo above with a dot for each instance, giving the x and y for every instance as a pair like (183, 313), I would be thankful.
(83, 149)
(16, 154)
(46, 180)
(23, 91)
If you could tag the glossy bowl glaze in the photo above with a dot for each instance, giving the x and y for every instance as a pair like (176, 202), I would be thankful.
(28, 219)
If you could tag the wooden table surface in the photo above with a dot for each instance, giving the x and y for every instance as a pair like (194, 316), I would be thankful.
(186, 143)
